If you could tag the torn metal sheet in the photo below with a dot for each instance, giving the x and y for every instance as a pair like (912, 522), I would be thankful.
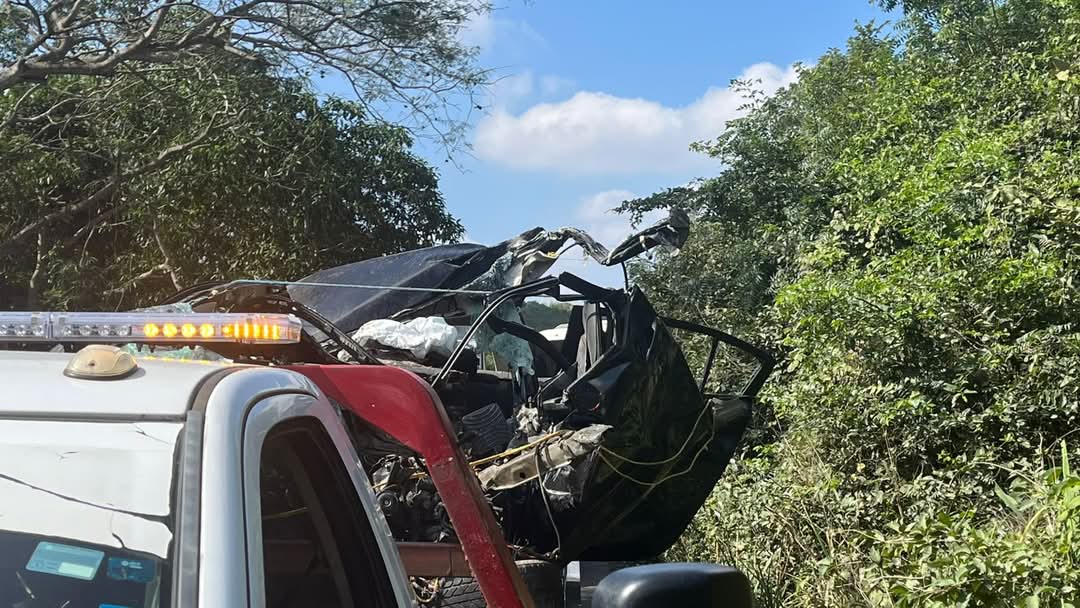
(98, 482)
(670, 233)
(633, 505)
(551, 455)
(443, 266)
(461, 266)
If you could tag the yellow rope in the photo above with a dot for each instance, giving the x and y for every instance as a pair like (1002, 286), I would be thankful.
(653, 484)
(488, 460)
(605, 452)
(517, 450)
(673, 458)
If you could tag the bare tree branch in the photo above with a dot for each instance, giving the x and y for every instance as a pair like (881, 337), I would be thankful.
(404, 50)
(14, 110)
(32, 287)
(138, 279)
(167, 264)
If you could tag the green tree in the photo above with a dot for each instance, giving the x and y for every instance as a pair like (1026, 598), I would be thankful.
(405, 52)
(283, 184)
(901, 225)
(148, 145)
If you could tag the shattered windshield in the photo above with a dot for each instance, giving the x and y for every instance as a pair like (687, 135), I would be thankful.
(85, 518)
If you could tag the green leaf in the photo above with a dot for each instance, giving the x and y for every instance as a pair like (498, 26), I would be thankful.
(1009, 501)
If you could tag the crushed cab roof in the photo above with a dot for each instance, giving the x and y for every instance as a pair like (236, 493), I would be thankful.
(34, 385)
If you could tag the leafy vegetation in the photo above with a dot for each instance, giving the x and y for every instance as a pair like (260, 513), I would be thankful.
(291, 184)
(402, 56)
(903, 226)
(541, 315)
(147, 147)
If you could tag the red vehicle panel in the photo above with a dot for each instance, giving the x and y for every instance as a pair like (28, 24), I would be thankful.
(403, 405)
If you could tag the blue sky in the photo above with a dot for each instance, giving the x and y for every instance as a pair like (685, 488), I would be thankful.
(597, 100)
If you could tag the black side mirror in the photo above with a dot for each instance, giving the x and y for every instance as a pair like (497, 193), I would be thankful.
(674, 585)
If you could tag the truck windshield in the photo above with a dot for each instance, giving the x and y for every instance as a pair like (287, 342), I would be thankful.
(86, 513)
(40, 572)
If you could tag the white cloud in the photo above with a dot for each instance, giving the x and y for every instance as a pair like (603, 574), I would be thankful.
(512, 91)
(555, 85)
(600, 133)
(486, 31)
(597, 216)
(503, 92)
(478, 31)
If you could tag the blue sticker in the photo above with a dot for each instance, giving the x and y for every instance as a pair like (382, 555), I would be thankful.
(131, 569)
(65, 560)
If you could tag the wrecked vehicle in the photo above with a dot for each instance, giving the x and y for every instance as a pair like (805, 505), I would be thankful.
(457, 452)
(600, 447)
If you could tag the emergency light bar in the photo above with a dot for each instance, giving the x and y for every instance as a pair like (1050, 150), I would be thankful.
(156, 327)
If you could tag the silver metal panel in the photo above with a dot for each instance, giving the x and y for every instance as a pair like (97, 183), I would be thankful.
(222, 539)
(187, 516)
(35, 386)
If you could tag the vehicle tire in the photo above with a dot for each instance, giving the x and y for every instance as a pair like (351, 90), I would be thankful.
(543, 579)
(460, 593)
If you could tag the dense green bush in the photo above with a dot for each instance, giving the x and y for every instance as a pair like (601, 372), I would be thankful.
(903, 227)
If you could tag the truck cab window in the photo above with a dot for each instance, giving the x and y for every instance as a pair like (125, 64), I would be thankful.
(318, 548)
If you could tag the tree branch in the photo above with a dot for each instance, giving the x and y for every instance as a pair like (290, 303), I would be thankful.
(14, 111)
(402, 49)
(167, 264)
(136, 279)
(108, 189)
(32, 287)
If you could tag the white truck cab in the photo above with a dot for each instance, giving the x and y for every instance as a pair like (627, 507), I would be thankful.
(183, 484)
